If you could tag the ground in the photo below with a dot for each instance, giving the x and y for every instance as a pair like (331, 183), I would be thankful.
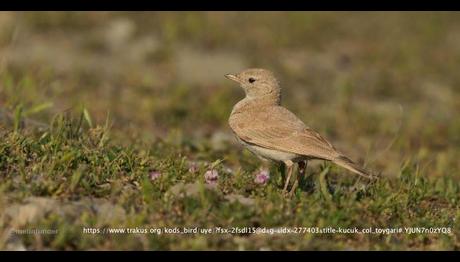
(119, 120)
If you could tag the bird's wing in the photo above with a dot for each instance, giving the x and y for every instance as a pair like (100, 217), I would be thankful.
(277, 128)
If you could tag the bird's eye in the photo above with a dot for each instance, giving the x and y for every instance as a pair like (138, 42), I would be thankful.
(251, 80)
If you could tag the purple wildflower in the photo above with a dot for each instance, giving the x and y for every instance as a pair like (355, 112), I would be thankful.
(211, 176)
(154, 175)
(262, 177)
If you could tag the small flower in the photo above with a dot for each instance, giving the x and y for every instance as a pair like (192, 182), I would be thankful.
(154, 175)
(193, 167)
(262, 177)
(211, 176)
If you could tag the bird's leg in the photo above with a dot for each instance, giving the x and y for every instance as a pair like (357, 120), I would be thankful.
(296, 183)
(302, 168)
(289, 166)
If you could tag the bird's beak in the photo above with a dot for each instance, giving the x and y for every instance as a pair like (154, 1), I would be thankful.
(232, 77)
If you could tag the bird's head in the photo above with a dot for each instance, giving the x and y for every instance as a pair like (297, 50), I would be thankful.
(256, 82)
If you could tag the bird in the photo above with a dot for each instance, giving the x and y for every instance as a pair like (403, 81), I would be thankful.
(272, 132)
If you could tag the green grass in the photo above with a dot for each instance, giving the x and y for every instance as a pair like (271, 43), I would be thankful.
(74, 165)
(92, 103)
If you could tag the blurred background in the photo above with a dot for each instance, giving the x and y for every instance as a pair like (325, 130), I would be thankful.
(384, 87)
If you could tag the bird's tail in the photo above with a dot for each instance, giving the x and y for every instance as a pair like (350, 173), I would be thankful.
(347, 163)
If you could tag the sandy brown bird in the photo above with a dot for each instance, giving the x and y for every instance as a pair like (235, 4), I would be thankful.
(272, 132)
